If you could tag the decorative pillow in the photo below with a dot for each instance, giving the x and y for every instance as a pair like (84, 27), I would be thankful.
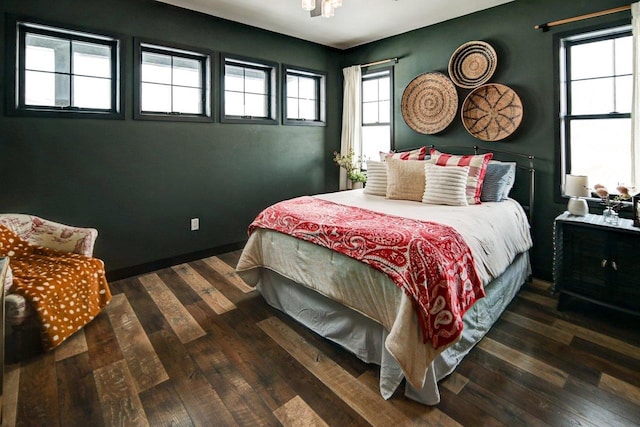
(445, 185)
(477, 170)
(498, 181)
(417, 154)
(376, 178)
(405, 179)
(512, 179)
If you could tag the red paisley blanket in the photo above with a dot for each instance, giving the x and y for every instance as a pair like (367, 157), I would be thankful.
(412, 253)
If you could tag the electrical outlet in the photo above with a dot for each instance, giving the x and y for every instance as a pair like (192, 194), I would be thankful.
(195, 224)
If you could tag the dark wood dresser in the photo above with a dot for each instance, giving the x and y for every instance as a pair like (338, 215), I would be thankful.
(597, 261)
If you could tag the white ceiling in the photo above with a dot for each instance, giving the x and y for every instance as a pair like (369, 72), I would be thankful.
(355, 23)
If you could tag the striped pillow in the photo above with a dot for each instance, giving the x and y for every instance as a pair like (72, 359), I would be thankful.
(376, 178)
(477, 170)
(417, 154)
(445, 185)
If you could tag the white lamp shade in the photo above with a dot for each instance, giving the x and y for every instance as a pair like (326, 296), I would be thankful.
(308, 4)
(576, 186)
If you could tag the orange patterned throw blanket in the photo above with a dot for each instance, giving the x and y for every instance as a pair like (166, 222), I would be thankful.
(66, 290)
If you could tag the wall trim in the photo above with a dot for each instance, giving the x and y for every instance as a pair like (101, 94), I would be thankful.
(136, 270)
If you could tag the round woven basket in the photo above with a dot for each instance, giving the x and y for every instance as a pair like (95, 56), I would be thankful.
(472, 64)
(491, 112)
(429, 103)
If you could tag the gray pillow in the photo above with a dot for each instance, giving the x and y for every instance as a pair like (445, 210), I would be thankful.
(498, 181)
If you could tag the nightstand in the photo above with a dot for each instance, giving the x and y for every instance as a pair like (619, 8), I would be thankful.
(597, 262)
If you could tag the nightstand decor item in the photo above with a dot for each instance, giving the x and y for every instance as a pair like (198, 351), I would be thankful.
(636, 210)
(576, 186)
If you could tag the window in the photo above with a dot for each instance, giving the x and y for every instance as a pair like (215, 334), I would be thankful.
(248, 91)
(376, 113)
(304, 97)
(596, 82)
(172, 83)
(65, 72)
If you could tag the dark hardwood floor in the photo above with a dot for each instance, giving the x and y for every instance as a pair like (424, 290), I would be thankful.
(193, 345)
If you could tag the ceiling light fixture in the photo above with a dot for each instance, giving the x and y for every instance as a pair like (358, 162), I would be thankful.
(326, 9)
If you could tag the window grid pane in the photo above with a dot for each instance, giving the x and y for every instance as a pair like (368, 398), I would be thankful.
(155, 98)
(589, 60)
(587, 137)
(91, 92)
(156, 68)
(308, 88)
(40, 89)
(90, 59)
(374, 140)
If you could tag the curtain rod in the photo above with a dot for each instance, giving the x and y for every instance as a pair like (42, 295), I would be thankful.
(545, 27)
(395, 60)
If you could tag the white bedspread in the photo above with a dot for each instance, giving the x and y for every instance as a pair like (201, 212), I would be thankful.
(495, 232)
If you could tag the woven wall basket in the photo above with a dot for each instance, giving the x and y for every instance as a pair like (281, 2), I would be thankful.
(472, 64)
(491, 112)
(429, 103)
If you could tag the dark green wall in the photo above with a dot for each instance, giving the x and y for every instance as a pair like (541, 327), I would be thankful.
(525, 63)
(140, 182)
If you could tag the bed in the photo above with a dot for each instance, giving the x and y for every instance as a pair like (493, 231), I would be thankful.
(359, 306)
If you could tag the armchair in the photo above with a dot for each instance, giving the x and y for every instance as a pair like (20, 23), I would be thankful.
(19, 313)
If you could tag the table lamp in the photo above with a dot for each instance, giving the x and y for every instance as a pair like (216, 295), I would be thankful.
(576, 186)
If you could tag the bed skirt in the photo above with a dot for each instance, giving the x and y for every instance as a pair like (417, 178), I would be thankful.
(365, 338)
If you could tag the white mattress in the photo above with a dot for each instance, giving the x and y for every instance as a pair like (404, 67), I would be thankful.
(495, 232)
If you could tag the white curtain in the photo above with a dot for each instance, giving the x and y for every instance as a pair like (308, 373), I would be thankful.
(635, 108)
(351, 117)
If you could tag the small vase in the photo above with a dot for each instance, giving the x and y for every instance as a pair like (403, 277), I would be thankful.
(610, 216)
(356, 185)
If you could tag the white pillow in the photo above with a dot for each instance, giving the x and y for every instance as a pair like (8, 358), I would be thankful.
(445, 185)
(376, 178)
